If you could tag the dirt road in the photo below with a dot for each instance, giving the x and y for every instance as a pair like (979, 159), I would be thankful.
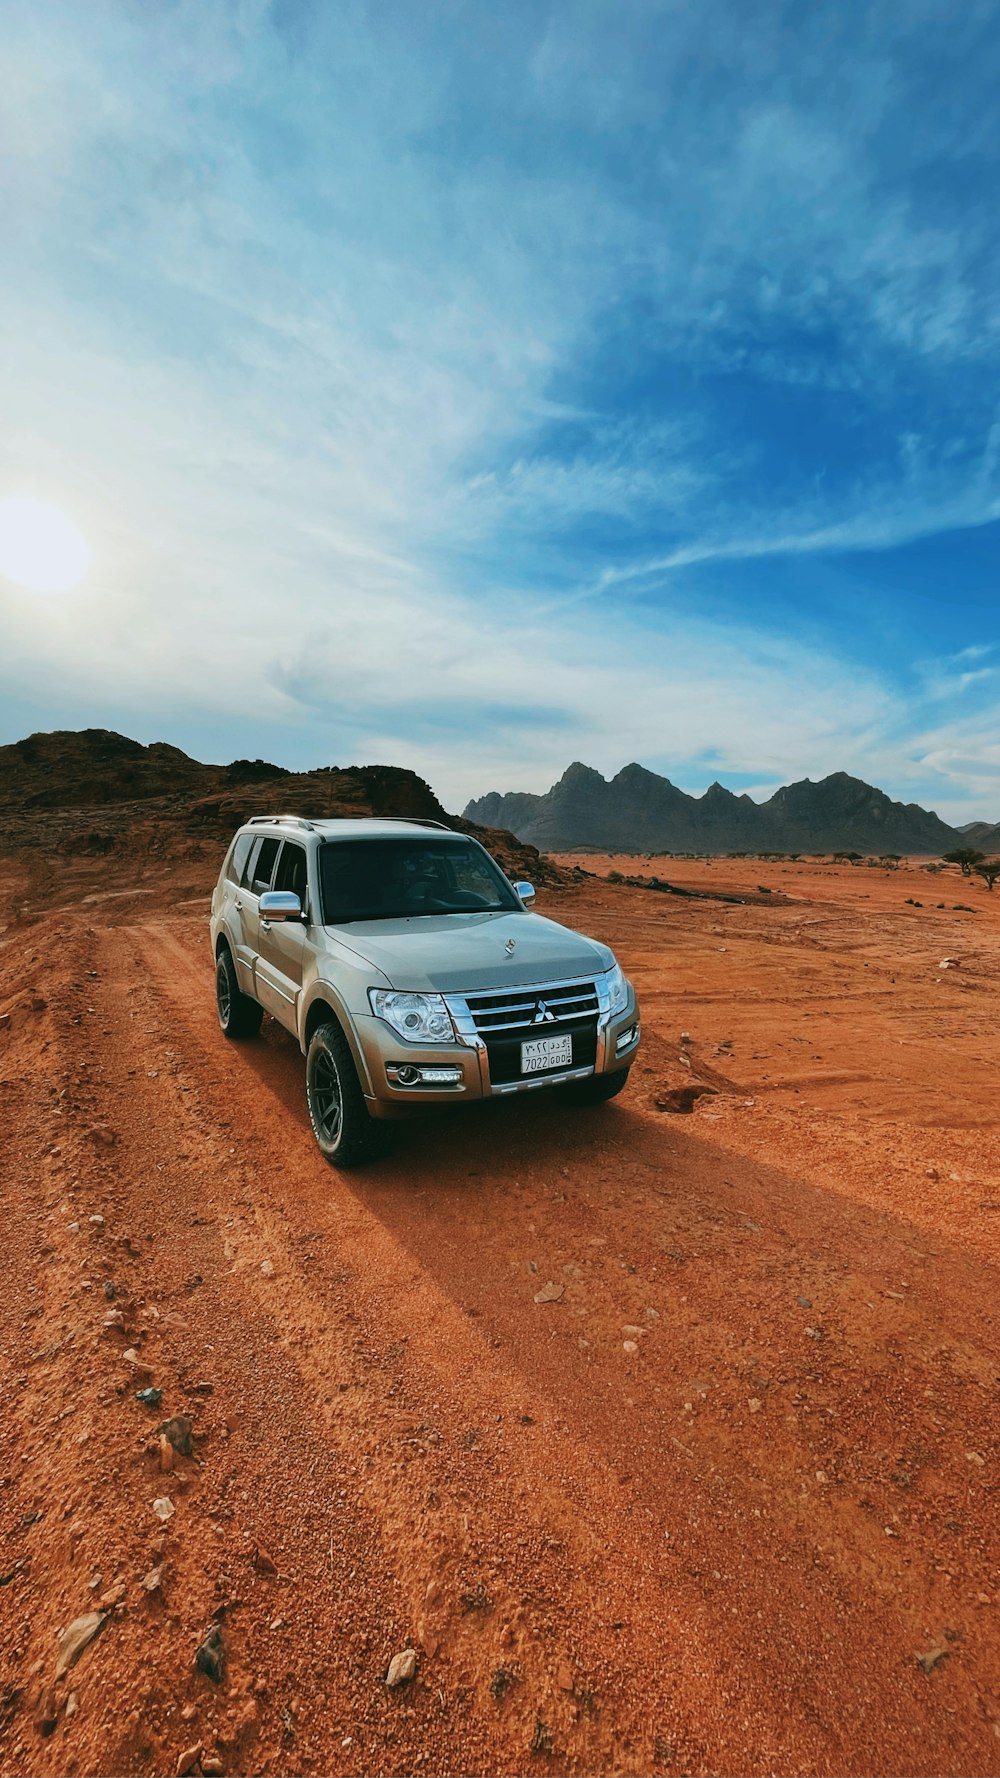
(703, 1513)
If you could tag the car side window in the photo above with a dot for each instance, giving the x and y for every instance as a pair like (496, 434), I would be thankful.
(292, 873)
(238, 857)
(262, 866)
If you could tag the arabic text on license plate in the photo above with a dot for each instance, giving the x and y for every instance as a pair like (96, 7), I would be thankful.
(546, 1052)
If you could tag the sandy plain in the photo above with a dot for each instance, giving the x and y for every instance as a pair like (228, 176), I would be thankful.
(728, 1505)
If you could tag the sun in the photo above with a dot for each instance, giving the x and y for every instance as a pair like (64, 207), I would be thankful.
(40, 546)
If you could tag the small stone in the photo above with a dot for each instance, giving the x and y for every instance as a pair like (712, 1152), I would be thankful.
(932, 1173)
(96, 1221)
(188, 1760)
(267, 1268)
(73, 1228)
(150, 1398)
(177, 1430)
(76, 1637)
(262, 1562)
(549, 1293)
(685, 1037)
(109, 1290)
(634, 1333)
(949, 963)
(47, 1712)
(564, 1676)
(152, 1583)
(629, 1346)
(113, 1318)
(163, 1508)
(755, 1404)
(211, 1763)
(114, 1596)
(814, 1333)
(189, 1712)
(211, 1656)
(402, 1667)
(72, 1704)
(804, 1302)
(929, 1660)
(166, 1453)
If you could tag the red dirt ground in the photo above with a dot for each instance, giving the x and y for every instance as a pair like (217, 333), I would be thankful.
(721, 1552)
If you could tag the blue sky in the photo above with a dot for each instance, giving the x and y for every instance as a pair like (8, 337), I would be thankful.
(480, 388)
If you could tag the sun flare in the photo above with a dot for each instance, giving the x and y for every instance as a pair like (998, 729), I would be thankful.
(41, 548)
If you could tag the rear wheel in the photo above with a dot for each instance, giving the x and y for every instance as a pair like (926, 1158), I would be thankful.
(347, 1136)
(239, 1014)
(597, 1089)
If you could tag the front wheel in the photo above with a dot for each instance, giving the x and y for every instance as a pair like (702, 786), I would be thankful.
(597, 1089)
(347, 1136)
(239, 1014)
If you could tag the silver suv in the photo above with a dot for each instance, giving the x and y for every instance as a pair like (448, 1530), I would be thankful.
(411, 973)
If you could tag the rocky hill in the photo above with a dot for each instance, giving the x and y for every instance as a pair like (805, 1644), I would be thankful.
(639, 811)
(91, 795)
(984, 835)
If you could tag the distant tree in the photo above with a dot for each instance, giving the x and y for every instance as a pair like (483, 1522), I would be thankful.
(853, 857)
(891, 860)
(989, 870)
(966, 857)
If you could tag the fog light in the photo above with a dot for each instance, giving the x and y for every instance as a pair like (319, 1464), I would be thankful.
(407, 1076)
(440, 1077)
(626, 1039)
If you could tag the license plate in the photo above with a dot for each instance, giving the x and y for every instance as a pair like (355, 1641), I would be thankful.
(546, 1052)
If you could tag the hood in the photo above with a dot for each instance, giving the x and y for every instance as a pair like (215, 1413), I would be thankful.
(457, 953)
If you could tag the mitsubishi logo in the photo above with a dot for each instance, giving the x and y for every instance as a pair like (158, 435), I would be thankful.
(543, 1015)
(509, 946)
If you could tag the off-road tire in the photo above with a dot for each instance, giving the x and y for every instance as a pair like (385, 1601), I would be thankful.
(346, 1135)
(239, 1015)
(597, 1089)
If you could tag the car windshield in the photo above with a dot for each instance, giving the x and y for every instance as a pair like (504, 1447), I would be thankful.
(385, 879)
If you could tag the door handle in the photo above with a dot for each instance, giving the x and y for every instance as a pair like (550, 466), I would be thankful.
(265, 925)
(239, 907)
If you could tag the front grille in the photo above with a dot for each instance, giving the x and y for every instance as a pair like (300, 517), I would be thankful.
(533, 1012)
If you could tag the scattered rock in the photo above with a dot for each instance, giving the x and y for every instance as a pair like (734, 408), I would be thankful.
(114, 1596)
(755, 1404)
(150, 1398)
(549, 1293)
(210, 1762)
(188, 1760)
(211, 1656)
(932, 1173)
(47, 1713)
(930, 1659)
(804, 1302)
(685, 1037)
(262, 1562)
(402, 1667)
(73, 1228)
(949, 963)
(163, 1508)
(76, 1637)
(96, 1221)
(683, 1099)
(153, 1580)
(72, 1705)
(178, 1431)
(629, 1346)
(814, 1333)
(634, 1332)
(267, 1268)
(166, 1453)
(113, 1318)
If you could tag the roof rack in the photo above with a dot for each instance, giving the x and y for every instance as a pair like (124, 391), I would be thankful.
(276, 820)
(417, 821)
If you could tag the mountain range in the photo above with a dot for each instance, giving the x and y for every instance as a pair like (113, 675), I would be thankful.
(640, 811)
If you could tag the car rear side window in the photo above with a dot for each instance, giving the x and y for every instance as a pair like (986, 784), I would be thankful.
(262, 866)
(238, 857)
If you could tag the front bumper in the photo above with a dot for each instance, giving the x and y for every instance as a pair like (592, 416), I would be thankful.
(390, 1090)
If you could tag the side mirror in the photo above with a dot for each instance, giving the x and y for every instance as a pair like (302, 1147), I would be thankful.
(525, 892)
(280, 904)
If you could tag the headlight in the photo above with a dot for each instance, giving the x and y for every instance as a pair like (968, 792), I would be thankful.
(420, 1018)
(617, 989)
